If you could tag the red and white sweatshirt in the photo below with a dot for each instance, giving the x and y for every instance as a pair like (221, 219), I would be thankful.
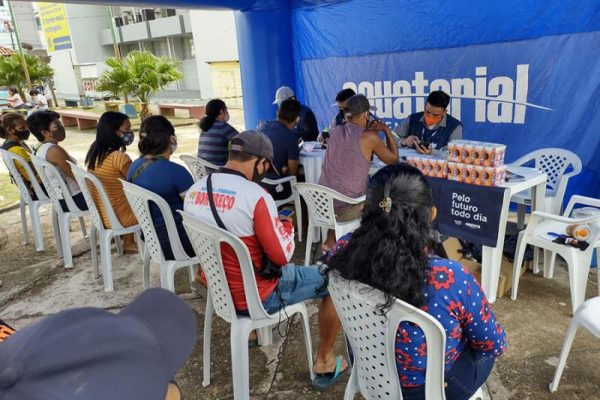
(250, 213)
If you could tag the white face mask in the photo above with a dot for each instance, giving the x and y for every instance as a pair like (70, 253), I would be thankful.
(173, 147)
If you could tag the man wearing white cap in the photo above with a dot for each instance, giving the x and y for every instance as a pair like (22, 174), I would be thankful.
(307, 127)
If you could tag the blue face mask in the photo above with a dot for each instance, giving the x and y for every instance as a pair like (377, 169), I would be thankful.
(127, 138)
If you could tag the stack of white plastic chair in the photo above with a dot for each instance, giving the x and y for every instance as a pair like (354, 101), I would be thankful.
(319, 201)
(293, 199)
(588, 316)
(140, 199)
(206, 240)
(11, 160)
(57, 190)
(197, 166)
(541, 224)
(85, 180)
(372, 337)
(553, 162)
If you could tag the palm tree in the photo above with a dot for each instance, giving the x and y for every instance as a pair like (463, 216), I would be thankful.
(116, 79)
(11, 72)
(140, 73)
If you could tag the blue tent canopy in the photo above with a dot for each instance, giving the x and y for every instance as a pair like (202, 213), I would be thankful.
(521, 72)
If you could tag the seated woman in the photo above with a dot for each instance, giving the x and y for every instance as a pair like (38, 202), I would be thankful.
(107, 160)
(390, 251)
(14, 99)
(13, 128)
(47, 128)
(155, 172)
(38, 100)
(215, 133)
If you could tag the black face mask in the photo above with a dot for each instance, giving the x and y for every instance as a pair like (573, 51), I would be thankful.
(23, 135)
(256, 177)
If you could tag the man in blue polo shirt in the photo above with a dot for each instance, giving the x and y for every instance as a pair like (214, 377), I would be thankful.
(431, 129)
(285, 146)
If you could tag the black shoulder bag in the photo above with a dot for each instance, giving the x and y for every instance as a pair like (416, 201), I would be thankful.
(269, 270)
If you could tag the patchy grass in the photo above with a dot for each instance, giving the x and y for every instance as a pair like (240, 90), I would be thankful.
(9, 193)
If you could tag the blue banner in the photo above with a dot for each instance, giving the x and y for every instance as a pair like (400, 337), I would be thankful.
(528, 94)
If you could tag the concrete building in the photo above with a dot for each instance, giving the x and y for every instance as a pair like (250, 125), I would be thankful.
(25, 16)
(204, 43)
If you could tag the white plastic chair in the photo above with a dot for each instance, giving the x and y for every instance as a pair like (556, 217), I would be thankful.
(11, 160)
(197, 166)
(207, 240)
(57, 190)
(578, 262)
(293, 199)
(319, 201)
(85, 179)
(554, 162)
(140, 199)
(372, 337)
(586, 316)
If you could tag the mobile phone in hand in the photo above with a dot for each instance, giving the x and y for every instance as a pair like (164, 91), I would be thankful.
(286, 213)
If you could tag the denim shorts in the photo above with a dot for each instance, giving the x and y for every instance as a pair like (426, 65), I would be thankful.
(297, 283)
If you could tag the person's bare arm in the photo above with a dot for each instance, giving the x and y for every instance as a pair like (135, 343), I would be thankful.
(292, 167)
(386, 153)
(58, 156)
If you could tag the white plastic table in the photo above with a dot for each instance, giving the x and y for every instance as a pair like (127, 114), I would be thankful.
(491, 257)
(491, 261)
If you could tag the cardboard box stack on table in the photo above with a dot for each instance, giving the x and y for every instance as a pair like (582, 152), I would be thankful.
(477, 163)
(453, 250)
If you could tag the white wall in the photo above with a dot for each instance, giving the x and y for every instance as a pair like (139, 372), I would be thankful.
(65, 81)
(214, 40)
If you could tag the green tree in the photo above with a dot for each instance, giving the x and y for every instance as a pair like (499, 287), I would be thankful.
(12, 74)
(141, 74)
(116, 79)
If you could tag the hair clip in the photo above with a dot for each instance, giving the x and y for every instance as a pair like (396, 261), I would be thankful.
(386, 204)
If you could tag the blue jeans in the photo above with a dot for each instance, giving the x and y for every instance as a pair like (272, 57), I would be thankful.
(165, 243)
(79, 201)
(297, 283)
(469, 373)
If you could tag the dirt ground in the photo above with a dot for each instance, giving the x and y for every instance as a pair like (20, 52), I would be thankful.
(36, 285)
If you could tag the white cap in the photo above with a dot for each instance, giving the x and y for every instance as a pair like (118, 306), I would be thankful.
(283, 93)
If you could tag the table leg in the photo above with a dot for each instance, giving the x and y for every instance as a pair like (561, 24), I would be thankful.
(491, 257)
(538, 203)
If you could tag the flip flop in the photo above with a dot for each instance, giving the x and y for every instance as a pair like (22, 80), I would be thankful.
(326, 380)
(252, 344)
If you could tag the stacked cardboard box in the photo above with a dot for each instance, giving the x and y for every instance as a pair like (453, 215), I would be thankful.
(452, 247)
(477, 163)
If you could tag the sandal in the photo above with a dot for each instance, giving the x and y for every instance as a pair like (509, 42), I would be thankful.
(326, 380)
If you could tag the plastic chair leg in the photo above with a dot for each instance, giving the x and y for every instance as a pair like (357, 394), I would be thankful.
(36, 226)
(265, 335)
(82, 225)
(549, 260)
(579, 268)
(307, 340)
(119, 245)
(521, 211)
(167, 276)
(56, 228)
(94, 250)
(352, 385)
(564, 353)
(106, 260)
(146, 268)
(298, 207)
(598, 268)
(140, 245)
(24, 220)
(65, 239)
(239, 362)
(309, 243)
(208, 314)
(521, 245)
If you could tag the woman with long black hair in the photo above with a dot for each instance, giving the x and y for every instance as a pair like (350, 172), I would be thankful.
(215, 133)
(107, 160)
(391, 251)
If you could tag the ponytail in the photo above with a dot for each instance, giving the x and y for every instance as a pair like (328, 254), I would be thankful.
(213, 109)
